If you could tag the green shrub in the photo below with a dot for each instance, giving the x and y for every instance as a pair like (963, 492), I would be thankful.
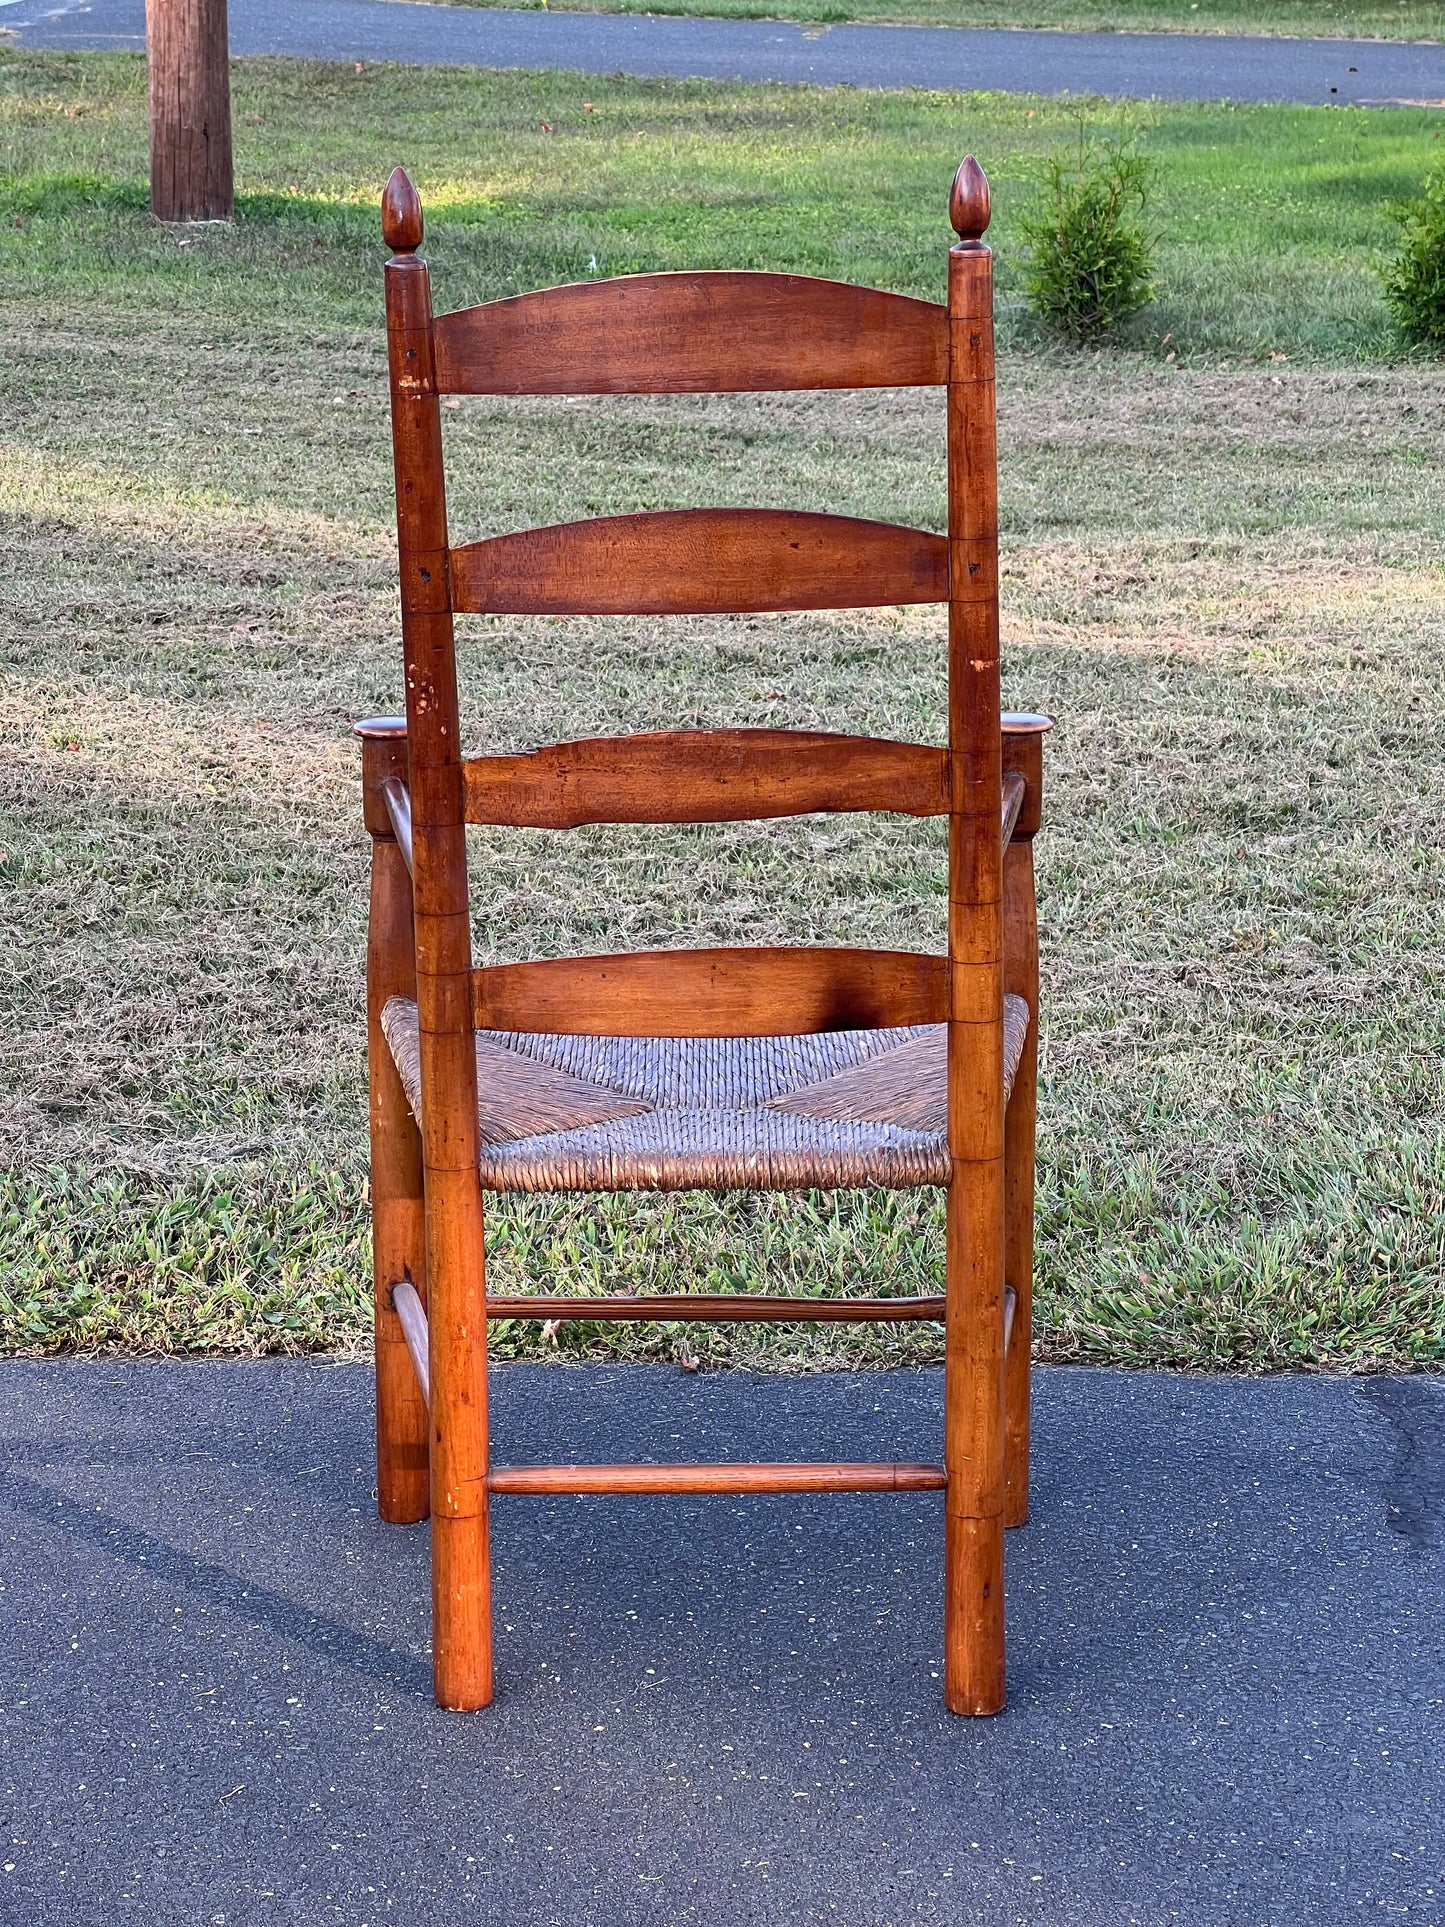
(1415, 279)
(1091, 261)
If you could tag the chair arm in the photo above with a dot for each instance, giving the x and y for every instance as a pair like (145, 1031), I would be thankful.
(383, 759)
(1023, 756)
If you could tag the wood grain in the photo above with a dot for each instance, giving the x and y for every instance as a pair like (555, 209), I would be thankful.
(701, 333)
(549, 1480)
(973, 1640)
(713, 993)
(705, 776)
(700, 562)
(189, 83)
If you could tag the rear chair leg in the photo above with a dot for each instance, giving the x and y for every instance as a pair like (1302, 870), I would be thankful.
(973, 1394)
(973, 1602)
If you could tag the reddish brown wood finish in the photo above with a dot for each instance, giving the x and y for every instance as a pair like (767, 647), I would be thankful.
(705, 776)
(1023, 755)
(548, 1480)
(189, 81)
(709, 776)
(713, 993)
(411, 1314)
(974, 1339)
(398, 1235)
(461, 1586)
(709, 333)
(699, 562)
(719, 1308)
(700, 332)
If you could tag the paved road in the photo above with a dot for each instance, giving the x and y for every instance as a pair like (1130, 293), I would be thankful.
(1226, 1663)
(1171, 66)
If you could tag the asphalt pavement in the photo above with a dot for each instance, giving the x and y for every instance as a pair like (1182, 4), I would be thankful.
(1169, 66)
(1226, 1669)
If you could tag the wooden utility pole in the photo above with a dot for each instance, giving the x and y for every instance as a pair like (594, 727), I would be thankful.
(190, 110)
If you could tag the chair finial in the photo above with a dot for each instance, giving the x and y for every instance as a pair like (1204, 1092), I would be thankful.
(968, 204)
(401, 214)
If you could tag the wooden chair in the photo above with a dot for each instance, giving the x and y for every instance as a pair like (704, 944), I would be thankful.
(740, 1068)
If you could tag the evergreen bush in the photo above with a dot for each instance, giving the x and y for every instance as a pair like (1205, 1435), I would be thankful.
(1092, 259)
(1415, 279)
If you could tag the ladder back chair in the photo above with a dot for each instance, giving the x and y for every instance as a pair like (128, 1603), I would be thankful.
(757, 1069)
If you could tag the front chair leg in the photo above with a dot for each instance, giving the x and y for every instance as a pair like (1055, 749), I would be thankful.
(398, 1236)
(1018, 1273)
(1021, 976)
(457, 1348)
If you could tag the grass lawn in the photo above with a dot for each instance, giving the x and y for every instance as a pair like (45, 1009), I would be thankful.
(1222, 574)
(1354, 19)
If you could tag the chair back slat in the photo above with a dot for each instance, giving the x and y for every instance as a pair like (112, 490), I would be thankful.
(660, 334)
(704, 776)
(713, 993)
(699, 562)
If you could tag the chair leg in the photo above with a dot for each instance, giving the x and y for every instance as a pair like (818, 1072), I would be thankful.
(461, 1553)
(973, 1600)
(403, 1474)
(1019, 1276)
(398, 1237)
(1021, 976)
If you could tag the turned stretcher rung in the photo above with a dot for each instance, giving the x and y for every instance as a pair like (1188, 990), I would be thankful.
(823, 1477)
(720, 1308)
(703, 1308)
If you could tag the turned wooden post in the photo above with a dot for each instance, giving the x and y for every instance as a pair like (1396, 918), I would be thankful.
(398, 1232)
(973, 1635)
(1023, 751)
(189, 78)
(461, 1585)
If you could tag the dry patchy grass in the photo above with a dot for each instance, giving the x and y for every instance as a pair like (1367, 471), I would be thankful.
(1223, 578)
(1226, 587)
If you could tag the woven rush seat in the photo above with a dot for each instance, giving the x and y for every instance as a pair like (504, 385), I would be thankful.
(835, 1109)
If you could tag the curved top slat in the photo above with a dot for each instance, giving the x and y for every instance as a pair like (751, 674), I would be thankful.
(700, 562)
(709, 333)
